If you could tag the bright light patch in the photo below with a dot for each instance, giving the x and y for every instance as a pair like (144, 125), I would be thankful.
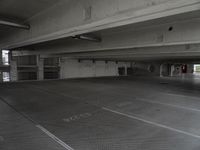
(197, 68)
(5, 57)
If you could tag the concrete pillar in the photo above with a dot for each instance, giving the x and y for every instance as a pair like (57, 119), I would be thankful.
(126, 66)
(1, 76)
(172, 70)
(62, 62)
(164, 70)
(161, 70)
(40, 64)
(190, 68)
(13, 70)
(1, 62)
(1, 73)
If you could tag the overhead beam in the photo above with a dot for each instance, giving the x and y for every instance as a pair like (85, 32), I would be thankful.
(14, 24)
(132, 53)
(182, 33)
(103, 16)
(154, 52)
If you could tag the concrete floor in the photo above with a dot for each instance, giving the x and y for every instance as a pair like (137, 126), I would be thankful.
(127, 113)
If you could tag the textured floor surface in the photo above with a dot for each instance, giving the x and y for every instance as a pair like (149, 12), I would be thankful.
(128, 113)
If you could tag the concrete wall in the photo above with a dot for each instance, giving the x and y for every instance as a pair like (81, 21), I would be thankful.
(176, 69)
(40, 64)
(165, 70)
(146, 68)
(190, 68)
(13, 70)
(72, 68)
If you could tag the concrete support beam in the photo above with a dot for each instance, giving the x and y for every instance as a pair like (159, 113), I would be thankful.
(161, 70)
(88, 16)
(177, 71)
(164, 70)
(172, 70)
(62, 68)
(190, 68)
(189, 53)
(1, 76)
(182, 33)
(1, 62)
(13, 70)
(1, 73)
(183, 51)
(40, 64)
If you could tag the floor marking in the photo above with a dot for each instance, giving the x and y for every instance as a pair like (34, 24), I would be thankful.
(77, 117)
(172, 105)
(185, 96)
(67, 147)
(152, 123)
(56, 139)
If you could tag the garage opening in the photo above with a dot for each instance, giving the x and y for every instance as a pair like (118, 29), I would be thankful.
(122, 71)
(6, 76)
(51, 68)
(5, 62)
(5, 57)
(197, 69)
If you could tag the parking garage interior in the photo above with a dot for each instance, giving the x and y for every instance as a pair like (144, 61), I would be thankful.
(99, 75)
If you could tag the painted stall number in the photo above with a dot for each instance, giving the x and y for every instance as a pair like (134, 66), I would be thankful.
(77, 117)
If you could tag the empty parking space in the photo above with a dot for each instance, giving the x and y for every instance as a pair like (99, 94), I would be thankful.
(105, 113)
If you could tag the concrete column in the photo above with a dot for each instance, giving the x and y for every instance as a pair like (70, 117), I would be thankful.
(1, 73)
(40, 64)
(172, 70)
(164, 70)
(161, 70)
(1, 76)
(62, 62)
(190, 68)
(13, 70)
(1, 62)
(126, 66)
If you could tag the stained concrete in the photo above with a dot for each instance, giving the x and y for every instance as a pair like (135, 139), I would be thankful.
(129, 113)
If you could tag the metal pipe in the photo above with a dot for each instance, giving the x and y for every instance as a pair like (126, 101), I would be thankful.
(14, 24)
(88, 37)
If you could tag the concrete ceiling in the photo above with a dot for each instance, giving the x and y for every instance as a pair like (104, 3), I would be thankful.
(23, 9)
(122, 29)
(155, 22)
(155, 34)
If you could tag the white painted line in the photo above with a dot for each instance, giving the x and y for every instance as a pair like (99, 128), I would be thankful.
(185, 96)
(152, 123)
(171, 105)
(63, 144)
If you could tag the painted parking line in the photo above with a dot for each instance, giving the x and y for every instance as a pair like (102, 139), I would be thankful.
(171, 105)
(56, 139)
(184, 96)
(150, 122)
